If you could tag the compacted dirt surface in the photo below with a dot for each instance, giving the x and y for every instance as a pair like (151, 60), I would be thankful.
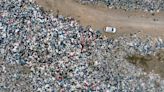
(99, 16)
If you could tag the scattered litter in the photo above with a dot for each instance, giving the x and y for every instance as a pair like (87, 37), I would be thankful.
(40, 52)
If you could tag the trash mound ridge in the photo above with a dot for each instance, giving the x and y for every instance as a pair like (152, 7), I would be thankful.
(146, 5)
(40, 52)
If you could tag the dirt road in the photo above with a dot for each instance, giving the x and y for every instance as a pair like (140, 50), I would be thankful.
(99, 16)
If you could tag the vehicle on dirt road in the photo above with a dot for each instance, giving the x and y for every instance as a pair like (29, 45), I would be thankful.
(110, 29)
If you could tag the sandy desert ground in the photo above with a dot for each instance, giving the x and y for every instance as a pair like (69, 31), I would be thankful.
(100, 16)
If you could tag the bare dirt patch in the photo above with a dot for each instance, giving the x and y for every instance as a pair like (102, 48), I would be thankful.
(149, 63)
(99, 16)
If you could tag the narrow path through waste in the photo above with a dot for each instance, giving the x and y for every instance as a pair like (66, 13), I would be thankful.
(99, 17)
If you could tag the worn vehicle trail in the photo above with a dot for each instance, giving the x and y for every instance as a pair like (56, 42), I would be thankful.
(99, 16)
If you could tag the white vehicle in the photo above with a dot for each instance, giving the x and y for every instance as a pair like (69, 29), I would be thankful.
(110, 29)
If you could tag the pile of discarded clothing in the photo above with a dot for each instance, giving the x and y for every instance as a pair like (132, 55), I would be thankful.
(146, 5)
(40, 52)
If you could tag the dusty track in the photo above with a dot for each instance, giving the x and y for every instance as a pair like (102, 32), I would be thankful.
(99, 17)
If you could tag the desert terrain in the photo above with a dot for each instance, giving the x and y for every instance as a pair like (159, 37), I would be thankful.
(99, 16)
(46, 46)
(126, 22)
